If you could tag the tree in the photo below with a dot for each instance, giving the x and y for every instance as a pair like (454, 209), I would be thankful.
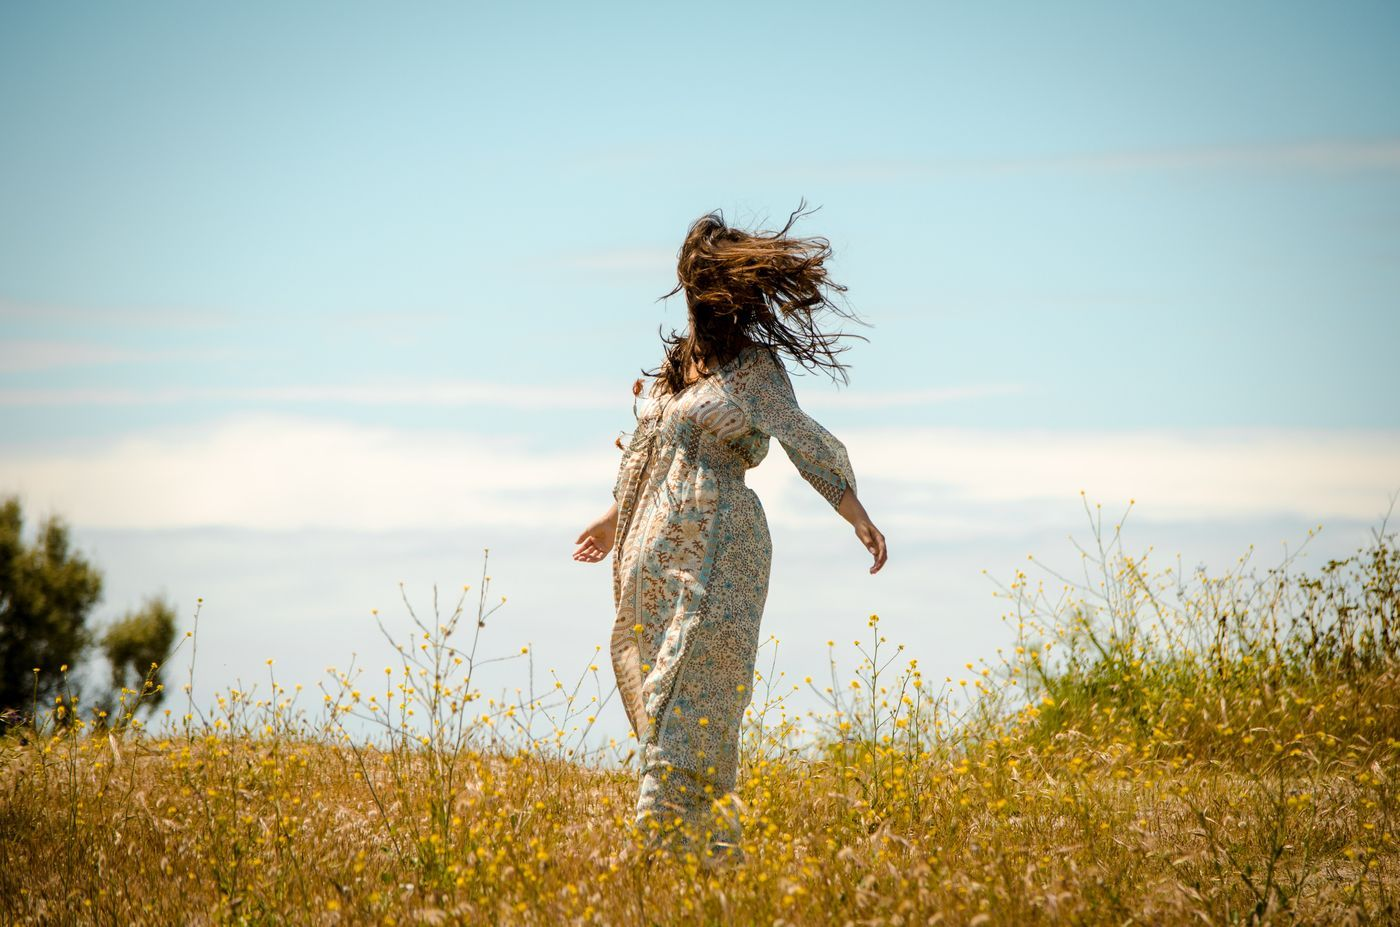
(46, 594)
(137, 646)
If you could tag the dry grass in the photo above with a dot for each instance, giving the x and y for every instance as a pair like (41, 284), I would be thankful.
(1155, 750)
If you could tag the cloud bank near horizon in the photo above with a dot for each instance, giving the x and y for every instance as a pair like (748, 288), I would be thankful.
(446, 393)
(284, 473)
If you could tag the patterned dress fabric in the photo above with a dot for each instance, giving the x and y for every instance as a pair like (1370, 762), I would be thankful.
(690, 574)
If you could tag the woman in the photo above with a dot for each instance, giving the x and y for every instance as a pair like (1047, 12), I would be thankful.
(691, 574)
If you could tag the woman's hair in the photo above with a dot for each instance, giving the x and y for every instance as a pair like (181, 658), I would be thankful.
(747, 288)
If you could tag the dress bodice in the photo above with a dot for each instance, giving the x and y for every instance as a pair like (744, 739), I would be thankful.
(723, 422)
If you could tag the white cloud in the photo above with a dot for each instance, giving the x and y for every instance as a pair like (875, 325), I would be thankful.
(1326, 155)
(281, 473)
(660, 261)
(284, 473)
(447, 393)
(1350, 154)
(894, 399)
(114, 316)
(1176, 474)
(453, 393)
(18, 356)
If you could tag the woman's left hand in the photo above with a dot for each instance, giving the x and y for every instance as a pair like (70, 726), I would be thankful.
(597, 539)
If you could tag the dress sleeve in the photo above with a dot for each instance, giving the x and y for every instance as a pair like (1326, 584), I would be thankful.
(637, 444)
(633, 457)
(819, 456)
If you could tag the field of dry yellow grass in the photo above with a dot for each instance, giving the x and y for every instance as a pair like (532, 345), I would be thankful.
(1152, 746)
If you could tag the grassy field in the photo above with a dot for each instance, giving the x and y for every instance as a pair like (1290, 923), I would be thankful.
(1153, 746)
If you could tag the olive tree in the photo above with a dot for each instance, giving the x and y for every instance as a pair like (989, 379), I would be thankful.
(137, 646)
(47, 591)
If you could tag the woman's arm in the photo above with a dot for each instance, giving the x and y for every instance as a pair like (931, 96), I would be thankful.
(597, 539)
(850, 508)
(819, 456)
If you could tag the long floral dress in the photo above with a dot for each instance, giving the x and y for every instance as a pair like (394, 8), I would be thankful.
(690, 575)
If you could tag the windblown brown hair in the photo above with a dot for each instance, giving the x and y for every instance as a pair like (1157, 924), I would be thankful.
(742, 288)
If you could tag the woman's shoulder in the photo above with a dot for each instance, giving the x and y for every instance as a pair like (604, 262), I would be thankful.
(759, 367)
(757, 355)
(763, 358)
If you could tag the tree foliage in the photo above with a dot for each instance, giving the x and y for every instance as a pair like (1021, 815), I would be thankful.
(47, 591)
(137, 646)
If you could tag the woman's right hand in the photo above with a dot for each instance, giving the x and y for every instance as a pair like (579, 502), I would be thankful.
(874, 541)
(597, 539)
(851, 509)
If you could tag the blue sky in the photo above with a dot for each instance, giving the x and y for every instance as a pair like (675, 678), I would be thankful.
(347, 272)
